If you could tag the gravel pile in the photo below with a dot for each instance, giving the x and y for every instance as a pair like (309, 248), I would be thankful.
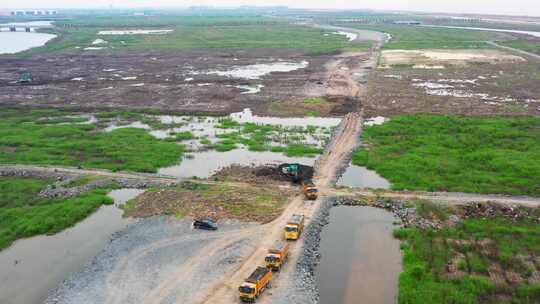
(154, 251)
(34, 172)
(60, 190)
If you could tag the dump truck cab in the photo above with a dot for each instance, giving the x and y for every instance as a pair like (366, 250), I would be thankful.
(294, 227)
(248, 292)
(277, 255)
(309, 189)
(255, 284)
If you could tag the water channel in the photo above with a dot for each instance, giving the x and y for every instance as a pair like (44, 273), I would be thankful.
(535, 34)
(360, 260)
(31, 267)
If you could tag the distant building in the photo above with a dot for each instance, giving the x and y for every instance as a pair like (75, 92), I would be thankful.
(34, 13)
(408, 22)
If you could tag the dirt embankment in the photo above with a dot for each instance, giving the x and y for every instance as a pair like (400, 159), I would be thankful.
(249, 194)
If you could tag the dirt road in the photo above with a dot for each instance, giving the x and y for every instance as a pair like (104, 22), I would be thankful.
(454, 198)
(342, 144)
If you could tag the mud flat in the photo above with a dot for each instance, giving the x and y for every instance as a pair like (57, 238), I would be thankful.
(473, 82)
(40, 263)
(210, 81)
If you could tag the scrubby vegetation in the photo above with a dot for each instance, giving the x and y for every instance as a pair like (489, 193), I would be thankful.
(246, 201)
(25, 141)
(477, 261)
(532, 46)
(453, 153)
(23, 213)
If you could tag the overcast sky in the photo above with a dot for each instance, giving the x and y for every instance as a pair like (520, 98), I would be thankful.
(506, 7)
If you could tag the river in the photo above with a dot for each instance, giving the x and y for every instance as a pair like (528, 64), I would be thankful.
(14, 42)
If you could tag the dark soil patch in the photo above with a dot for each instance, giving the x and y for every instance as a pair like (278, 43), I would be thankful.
(162, 80)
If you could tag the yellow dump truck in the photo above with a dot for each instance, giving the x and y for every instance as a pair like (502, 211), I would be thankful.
(255, 284)
(294, 227)
(309, 189)
(277, 255)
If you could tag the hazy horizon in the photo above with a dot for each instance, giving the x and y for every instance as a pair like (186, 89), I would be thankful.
(499, 7)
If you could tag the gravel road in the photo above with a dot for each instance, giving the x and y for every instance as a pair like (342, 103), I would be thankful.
(158, 260)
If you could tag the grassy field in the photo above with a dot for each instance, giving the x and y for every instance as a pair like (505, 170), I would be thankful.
(246, 202)
(27, 138)
(415, 37)
(459, 264)
(24, 214)
(191, 32)
(453, 153)
(532, 46)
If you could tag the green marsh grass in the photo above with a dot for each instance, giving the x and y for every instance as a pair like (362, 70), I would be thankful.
(454, 153)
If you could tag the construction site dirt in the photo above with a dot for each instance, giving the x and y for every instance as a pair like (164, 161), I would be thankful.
(455, 86)
(205, 81)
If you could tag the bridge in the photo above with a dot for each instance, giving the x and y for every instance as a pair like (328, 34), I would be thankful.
(22, 27)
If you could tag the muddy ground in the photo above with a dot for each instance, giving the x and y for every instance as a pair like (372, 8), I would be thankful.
(473, 88)
(175, 82)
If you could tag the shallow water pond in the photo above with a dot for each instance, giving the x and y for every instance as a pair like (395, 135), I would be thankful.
(204, 164)
(40, 263)
(362, 177)
(360, 260)
(14, 42)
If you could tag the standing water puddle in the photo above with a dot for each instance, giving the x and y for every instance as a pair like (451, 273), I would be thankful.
(256, 71)
(247, 116)
(362, 177)
(204, 164)
(360, 260)
(33, 266)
